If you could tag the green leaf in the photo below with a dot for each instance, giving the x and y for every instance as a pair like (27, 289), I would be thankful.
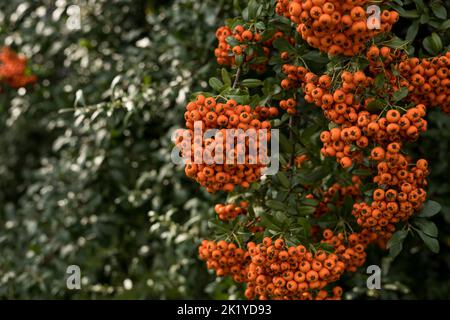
(395, 244)
(286, 145)
(445, 25)
(410, 14)
(275, 204)
(396, 43)
(267, 34)
(380, 80)
(281, 44)
(432, 43)
(215, 83)
(419, 4)
(252, 9)
(439, 10)
(437, 41)
(304, 222)
(430, 208)
(226, 77)
(283, 180)
(260, 25)
(424, 18)
(270, 221)
(232, 41)
(310, 202)
(223, 227)
(428, 227)
(325, 247)
(315, 56)
(376, 106)
(400, 94)
(430, 242)
(245, 14)
(240, 98)
(115, 82)
(237, 5)
(412, 30)
(435, 23)
(306, 210)
(251, 83)
(317, 174)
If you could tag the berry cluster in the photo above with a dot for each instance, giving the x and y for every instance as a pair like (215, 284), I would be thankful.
(335, 26)
(393, 127)
(290, 105)
(226, 54)
(228, 164)
(429, 81)
(346, 107)
(350, 248)
(400, 191)
(225, 258)
(280, 272)
(227, 212)
(347, 100)
(272, 270)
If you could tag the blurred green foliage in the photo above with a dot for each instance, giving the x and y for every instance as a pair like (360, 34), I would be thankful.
(85, 170)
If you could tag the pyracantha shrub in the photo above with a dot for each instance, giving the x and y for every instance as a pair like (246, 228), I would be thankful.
(347, 114)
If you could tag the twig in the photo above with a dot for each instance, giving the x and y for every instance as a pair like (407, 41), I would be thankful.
(236, 79)
(291, 138)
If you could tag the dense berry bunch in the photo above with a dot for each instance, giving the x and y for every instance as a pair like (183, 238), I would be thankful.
(346, 105)
(274, 271)
(340, 105)
(277, 271)
(429, 81)
(357, 128)
(228, 162)
(399, 194)
(393, 127)
(350, 248)
(335, 27)
(13, 69)
(225, 258)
